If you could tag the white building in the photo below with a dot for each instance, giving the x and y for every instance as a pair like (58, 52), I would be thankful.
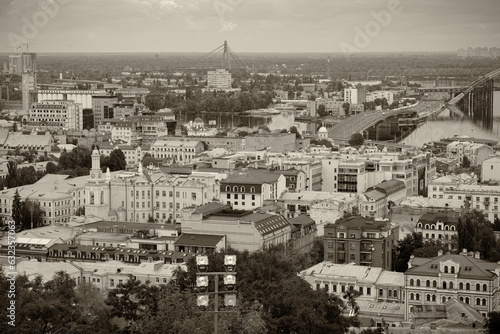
(84, 97)
(55, 115)
(180, 151)
(355, 95)
(380, 94)
(490, 170)
(219, 79)
(475, 152)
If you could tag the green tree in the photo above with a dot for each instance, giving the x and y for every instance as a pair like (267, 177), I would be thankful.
(492, 323)
(322, 111)
(346, 106)
(356, 139)
(11, 178)
(17, 208)
(154, 101)
(294, 129)
(475, 233)
(405, 249)
(465, 162)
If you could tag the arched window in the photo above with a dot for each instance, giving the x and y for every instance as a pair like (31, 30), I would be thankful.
(428, 297)
(461, 286)
(433, 227)
(428, 283)
(446, 269)
(467, 286)
(433, 298)
(411, 282)
(485, 287)
(461, 299)
(446, 228)
(242, 189)
(434, 284)
(451, 286)
(235, 189)
(228, 188)
(444, 285)
(418, 282)
(412, 296)
(443, 300)
(426, 226)
(417, 296)
(478, 287)
(419, 225)
(467, 300)
(452, 228)
(478, 301)
(453, 269)
(252, 189)
(484, 301)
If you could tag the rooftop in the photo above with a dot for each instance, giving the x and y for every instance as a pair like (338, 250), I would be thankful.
(200, 240)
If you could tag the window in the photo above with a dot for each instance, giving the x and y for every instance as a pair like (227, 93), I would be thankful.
(433, 298)
(467, 286)
(478, 287)
(485, 287)
(428, 283)
(412, 296)
(484, 302)
(461, 286)
(451, 286)
(111, 282)
(380, 292)
(369, 291)
(326, 287)
(444, 285)
(353, 257)
(418, 282)
(446, 269)
(361, 290)
(411, 282)
(343, 288)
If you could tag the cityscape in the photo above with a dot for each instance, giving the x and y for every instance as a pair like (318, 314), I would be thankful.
(248, 167)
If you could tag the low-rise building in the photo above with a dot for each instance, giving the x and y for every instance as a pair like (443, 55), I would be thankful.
(275, 142)
(378, 198)
(177, 151)
(464, 277)
(490, 169)
(244, 230)
(438, 226)
(382, 292)
(249, 190)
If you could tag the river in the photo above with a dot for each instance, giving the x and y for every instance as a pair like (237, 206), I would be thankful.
(437, 129)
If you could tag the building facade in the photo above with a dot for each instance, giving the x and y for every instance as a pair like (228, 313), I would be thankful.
(55, 115)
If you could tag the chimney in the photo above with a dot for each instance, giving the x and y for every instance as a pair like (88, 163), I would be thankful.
(477, 255)
(440, 252)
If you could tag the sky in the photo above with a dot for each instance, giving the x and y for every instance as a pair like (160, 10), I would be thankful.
(326, 26)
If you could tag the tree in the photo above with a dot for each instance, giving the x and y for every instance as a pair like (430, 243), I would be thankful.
(154, 101)
(405, 249)
(80, 211)
(11, 178)
(346, 106)
(475, 233)
(492, 323)
(465, 162)
(117, 161)
(356, 139)
(51, 168)
(350, 295)
(322, 111)
(31, 214)
(317, 252)
(16, 208)
(294, 129)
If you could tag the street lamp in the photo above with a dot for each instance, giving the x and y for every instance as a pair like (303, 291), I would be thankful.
(202, 278)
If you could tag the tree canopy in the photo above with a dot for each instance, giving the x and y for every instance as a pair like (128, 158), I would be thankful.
(356, 139)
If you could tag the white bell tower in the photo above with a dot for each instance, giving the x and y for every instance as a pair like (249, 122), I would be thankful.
(97, 189)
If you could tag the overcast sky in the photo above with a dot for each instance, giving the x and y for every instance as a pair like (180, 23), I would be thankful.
(249, 25)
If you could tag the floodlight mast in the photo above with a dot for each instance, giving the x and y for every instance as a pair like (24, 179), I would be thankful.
(202, 276)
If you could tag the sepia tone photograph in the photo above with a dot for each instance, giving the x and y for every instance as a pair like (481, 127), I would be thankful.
(249, 166)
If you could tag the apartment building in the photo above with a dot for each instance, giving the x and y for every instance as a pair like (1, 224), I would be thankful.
(490, 169)
(364, 241)
(475, 152)
(103, 107)
(377, 199)
(249, 190)
(54, 115)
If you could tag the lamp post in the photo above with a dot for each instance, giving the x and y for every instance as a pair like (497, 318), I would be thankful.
(202, 282)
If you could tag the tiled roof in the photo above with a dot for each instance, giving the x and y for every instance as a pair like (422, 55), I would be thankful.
(470, 267)
(390, 187)
(302, 220)
(433, 217)
(253, 176)
(271, 223)
(201, 240)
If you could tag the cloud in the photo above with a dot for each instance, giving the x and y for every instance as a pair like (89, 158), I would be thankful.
(228, 26)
